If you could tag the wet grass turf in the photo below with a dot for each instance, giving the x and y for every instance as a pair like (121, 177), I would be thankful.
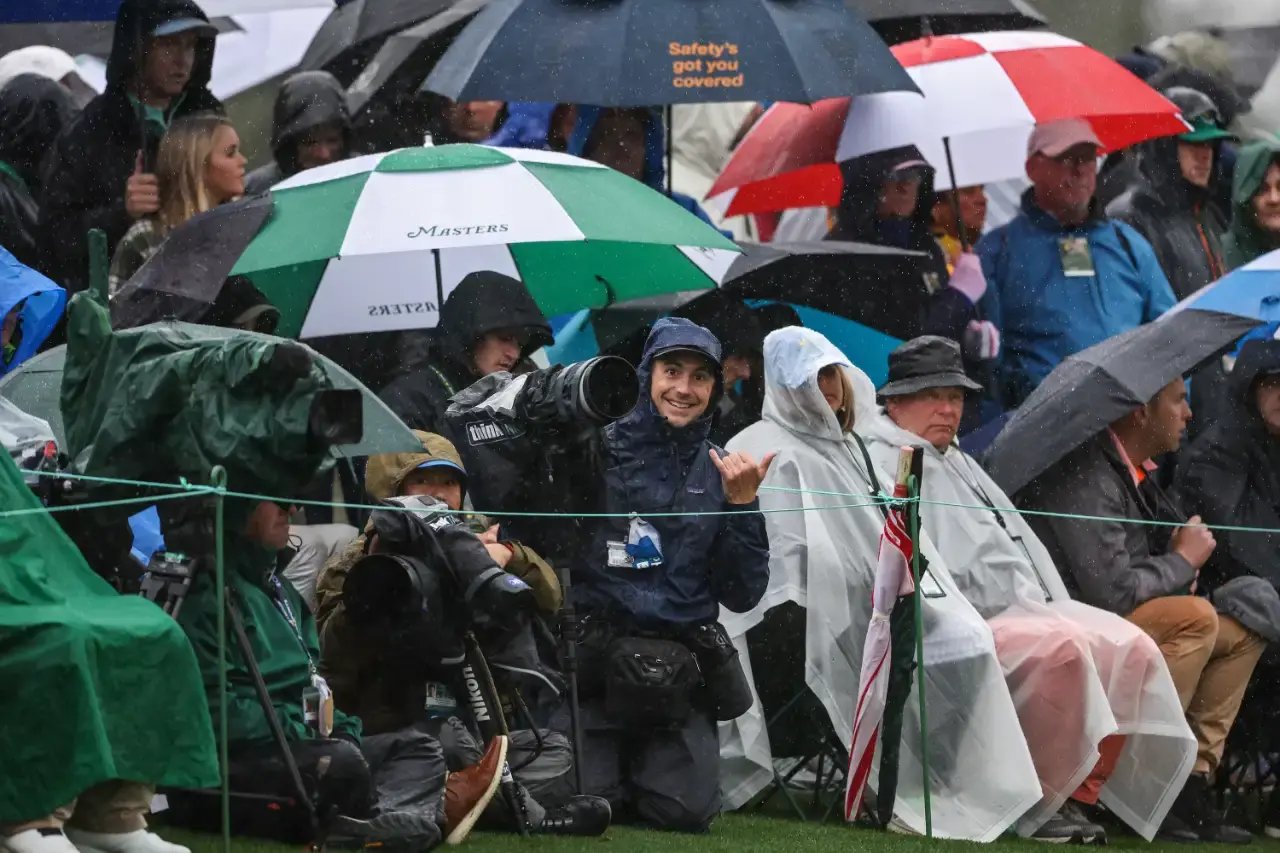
(734, 834)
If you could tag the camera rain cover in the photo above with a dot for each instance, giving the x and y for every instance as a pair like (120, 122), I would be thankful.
(173, 400)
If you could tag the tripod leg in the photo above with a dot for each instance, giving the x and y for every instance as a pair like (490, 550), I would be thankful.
(570, 633)
(264, 698)
(482, 695)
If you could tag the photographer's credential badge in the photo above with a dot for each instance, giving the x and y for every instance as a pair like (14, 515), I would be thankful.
(642, 550)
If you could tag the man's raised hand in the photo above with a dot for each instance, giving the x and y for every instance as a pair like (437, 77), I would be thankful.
(741, 474)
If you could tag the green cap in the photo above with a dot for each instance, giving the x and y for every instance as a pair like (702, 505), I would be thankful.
(1205, 129)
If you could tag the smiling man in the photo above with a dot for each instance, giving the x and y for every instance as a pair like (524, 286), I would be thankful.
(1060, 276)
(685, 537)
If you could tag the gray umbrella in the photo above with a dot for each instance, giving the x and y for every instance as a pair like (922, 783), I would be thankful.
(36, 384)
(1097, 386)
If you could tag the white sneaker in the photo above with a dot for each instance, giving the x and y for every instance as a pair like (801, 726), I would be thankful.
(139, 841)
(37, 841)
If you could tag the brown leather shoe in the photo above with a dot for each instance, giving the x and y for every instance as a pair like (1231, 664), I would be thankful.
(467, 792)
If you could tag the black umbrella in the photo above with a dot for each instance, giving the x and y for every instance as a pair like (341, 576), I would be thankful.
(878, 286)
(354, 31)
(183, 279)
(625, 53)
(1097, 386)
(903, 20)
(872, 285)
(409, 55)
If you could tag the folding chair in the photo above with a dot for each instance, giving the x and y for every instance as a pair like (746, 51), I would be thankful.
(1251, 745)
(796, 721)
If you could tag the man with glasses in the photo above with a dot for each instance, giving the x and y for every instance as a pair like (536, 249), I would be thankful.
(1060, 275)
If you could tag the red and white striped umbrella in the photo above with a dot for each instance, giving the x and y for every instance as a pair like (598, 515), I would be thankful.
(983, 94)
(893, 579)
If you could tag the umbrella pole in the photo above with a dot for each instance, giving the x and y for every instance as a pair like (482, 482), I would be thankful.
(435, 256)
(668, 112)
(955, 195)
(913, 484)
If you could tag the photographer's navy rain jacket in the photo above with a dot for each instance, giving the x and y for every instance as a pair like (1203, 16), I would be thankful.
(649, 468)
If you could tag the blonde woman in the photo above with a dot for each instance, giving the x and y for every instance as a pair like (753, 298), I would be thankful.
(199, 167)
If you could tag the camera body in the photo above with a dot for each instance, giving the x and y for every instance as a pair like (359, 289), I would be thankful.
(535, 438)
(429, 582)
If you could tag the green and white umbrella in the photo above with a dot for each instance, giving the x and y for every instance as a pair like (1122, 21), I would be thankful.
(376, 243)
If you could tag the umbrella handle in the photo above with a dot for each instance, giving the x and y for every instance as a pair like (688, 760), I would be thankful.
(98, 265)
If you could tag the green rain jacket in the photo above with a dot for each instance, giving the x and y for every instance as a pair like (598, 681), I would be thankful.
(284, 656)
(1245, 240)
(97, 686)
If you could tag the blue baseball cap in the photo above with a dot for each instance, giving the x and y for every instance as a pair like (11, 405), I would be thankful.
(172, 27)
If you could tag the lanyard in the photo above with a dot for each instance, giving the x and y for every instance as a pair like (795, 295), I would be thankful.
(286, 610)
(8, 169)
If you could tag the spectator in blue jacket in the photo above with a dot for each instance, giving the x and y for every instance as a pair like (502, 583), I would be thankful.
(1062, 277)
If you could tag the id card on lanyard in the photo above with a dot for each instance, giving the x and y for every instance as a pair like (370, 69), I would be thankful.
(317, 698)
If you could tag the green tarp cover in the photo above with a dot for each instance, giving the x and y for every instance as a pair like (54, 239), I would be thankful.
(97, 686)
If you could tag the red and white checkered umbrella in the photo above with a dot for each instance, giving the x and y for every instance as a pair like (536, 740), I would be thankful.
(983, 94)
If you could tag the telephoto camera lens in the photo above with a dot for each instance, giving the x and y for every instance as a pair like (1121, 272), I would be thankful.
(601, 389)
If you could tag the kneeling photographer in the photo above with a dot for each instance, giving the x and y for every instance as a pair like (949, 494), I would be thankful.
(367, 645)
(656, 670)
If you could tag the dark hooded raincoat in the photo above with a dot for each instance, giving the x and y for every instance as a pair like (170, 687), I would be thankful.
(33, 111)
(86, 172)
(306, 101)
(482, 302)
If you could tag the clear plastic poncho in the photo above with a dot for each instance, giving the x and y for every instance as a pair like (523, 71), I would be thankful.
(1076, 673)
(824, 559)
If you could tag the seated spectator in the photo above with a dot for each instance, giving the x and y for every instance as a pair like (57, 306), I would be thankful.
(99, 173)
(86, 670)
(1230, 475)
(1149, 573)
(972, 203)
(1085, 681)
(1061, 277)
(199, 167)
(355, 660)
(488, 324)
(824, 536)
(310, 126)
(33, 112)
(471, 121)
(1255, 198)
(385, 789)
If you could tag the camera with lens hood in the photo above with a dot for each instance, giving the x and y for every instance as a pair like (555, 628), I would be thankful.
(533, 440)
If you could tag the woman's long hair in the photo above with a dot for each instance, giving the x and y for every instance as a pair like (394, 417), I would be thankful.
(180, 166)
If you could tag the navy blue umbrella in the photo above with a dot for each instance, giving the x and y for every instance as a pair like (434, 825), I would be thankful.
(626, 53)
(59, 11)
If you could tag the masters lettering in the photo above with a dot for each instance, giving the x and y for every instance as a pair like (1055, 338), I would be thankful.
(458, 231)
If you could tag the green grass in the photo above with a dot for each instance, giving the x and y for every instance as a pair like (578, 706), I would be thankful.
(734, 833)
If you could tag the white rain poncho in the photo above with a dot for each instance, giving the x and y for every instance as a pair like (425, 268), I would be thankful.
(824, 559)
(1076, 673)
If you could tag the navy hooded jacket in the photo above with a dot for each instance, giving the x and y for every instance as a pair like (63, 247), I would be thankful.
(650, 468)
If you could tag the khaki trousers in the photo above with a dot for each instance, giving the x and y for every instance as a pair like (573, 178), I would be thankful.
(1211, 658)
(110, 807)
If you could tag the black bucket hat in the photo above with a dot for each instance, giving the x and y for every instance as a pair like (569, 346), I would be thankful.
(926, 362)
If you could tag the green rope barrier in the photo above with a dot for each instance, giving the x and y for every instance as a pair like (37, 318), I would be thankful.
(145, 499)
